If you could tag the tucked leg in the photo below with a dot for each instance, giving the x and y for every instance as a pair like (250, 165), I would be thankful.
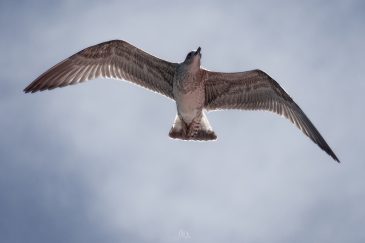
(194, 127)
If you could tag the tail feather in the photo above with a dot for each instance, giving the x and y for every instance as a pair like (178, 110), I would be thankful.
(204, 131)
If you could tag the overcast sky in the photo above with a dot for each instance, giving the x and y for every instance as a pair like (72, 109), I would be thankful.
(94, 163)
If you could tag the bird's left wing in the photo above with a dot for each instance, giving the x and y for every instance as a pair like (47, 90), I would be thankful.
(113, 59)
(255, 90)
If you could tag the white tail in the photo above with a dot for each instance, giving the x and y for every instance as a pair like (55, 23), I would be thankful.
(202, 131)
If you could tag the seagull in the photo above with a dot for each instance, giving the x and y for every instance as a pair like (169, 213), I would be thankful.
(194, 89)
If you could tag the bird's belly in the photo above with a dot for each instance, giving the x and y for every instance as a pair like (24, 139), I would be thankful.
(189, 105)
(188, 115)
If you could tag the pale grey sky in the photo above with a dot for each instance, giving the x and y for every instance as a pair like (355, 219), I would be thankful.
(93, 162)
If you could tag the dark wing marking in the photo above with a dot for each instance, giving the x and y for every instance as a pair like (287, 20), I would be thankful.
(255, 90)
(113, 59)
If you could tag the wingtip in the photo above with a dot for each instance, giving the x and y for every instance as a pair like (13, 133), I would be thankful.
(334, 157)
(28, 90)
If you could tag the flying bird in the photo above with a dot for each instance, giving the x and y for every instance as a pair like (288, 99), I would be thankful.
(194, 89)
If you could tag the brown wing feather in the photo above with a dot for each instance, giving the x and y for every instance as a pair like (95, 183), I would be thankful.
(255, 90)
(113, 59)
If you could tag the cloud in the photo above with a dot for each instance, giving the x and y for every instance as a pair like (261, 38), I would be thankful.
(93, 162)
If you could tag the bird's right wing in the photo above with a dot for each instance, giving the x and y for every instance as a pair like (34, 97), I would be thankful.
(113, 59)
(255, 90)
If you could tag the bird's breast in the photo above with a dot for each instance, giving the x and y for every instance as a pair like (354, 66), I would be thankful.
(188, 91)
(189, 104)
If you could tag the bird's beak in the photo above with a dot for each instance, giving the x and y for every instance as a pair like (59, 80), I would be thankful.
(198, 51)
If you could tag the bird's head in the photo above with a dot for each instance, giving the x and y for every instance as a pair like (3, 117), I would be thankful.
(193, 57)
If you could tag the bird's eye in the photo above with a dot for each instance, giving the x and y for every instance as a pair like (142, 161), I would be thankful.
(189, 55)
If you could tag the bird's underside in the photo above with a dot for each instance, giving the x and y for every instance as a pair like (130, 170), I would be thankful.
(250, 90)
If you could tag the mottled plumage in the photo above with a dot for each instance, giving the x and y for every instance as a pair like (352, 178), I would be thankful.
(113, 59)
(194, 89)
